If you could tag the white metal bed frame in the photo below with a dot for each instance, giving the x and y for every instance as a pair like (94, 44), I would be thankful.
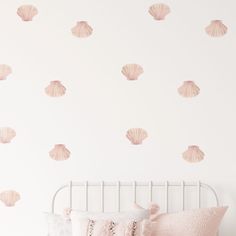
(166, 185)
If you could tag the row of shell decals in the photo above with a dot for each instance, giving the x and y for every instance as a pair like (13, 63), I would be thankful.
(9, 197)
(136, 136)
(158, 11)
(131, 71)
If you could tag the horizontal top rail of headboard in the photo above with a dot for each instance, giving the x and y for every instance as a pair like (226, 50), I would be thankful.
(134, 184)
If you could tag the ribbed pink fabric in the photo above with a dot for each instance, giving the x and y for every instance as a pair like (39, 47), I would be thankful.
(199, 222)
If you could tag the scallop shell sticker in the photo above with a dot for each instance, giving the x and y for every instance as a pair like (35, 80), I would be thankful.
(27, 12)
(159, 11)
(9, 198)
(193, 154)
(82, 29)
(59, 153)
(5, 70)
(216, 28)
(6, 134)
(132, 71)
(189, 89)
(55, 89)
(136, 135)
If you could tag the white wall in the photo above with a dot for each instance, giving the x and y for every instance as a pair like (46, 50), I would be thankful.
(100, 104)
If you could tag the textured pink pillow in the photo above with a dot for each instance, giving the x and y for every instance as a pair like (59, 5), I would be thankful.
(200, 222)
(109, 228)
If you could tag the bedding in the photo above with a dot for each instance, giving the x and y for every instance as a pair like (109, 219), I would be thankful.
(110, 228)
(80, 219)
(137, 213)
(60, 225)
(198, 222)
(139, 222)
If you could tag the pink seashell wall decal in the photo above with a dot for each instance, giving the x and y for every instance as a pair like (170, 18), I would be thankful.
(82, 29)
(59, 153)
(193, 154)
(6, 134)
(55, 89)
(9, 198)
(136, 135)
(159, 11)
(216, 28)
(189, 89)
(132, 71)
(27, 12)
(5, 70)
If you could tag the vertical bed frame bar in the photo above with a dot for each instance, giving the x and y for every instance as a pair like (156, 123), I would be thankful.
(134, 191)
(118, 196)
(150, 191)
(86, 195)
(199, 194)
(167, 196)
(102, 196)
(70, 194)
(183, 194)
(183, 185)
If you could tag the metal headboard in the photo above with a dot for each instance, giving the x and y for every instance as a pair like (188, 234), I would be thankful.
(166, 185)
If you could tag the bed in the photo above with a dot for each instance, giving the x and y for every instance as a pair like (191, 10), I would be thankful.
(182, 196)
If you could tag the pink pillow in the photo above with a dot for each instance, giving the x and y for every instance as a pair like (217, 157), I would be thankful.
(200, 222)
(110, 228)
